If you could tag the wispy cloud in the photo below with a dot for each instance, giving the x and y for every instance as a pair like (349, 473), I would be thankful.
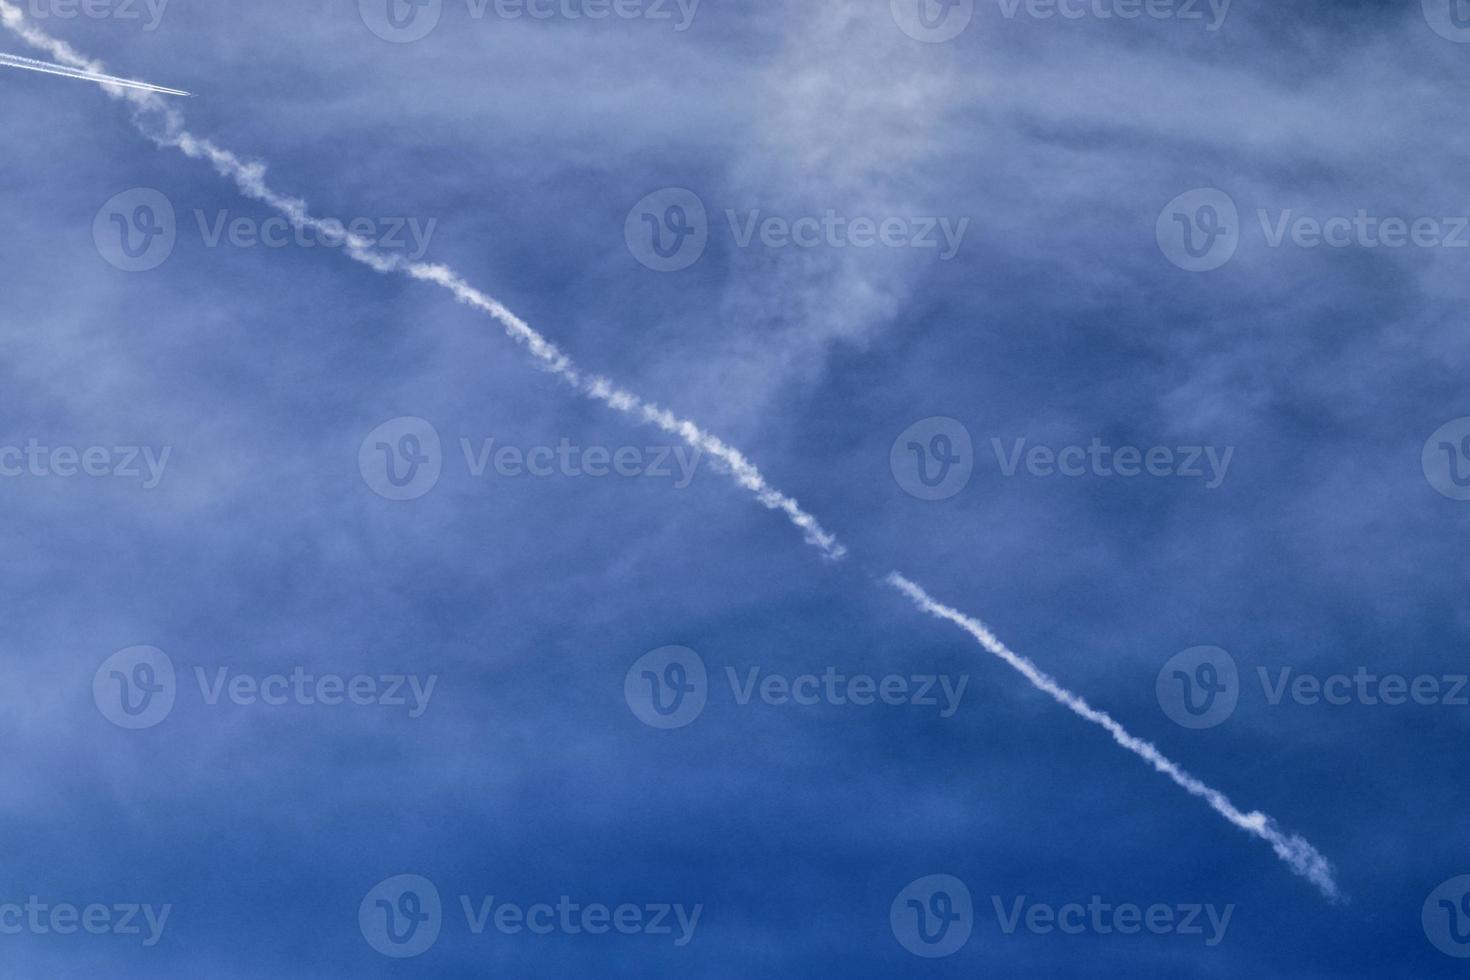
(164, 124)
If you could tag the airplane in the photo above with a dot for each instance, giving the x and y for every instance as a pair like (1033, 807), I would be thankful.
(30, 64)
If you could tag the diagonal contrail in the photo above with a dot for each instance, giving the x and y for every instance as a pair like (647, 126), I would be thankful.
(164, 125)
(1296, 851)
(30, 64)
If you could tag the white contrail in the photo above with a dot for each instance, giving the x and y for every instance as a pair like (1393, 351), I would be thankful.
(30, 64)
(1294, 850)
(250, 179)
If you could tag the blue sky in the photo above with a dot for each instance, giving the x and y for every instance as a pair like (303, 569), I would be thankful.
(523, 150)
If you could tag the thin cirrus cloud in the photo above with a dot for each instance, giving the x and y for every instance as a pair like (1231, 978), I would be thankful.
(165, 126)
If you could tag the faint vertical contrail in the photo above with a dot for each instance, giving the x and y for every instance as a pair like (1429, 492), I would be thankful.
(164, 124)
